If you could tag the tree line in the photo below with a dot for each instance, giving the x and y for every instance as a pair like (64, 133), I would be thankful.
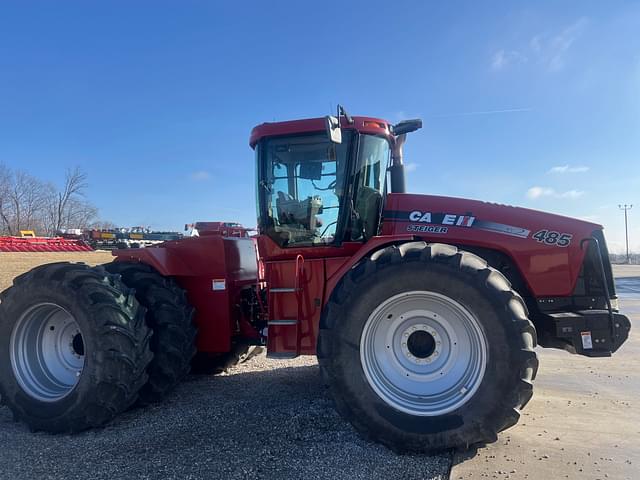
(28, 203)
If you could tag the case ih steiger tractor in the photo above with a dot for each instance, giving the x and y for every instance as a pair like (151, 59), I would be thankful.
(423, 311)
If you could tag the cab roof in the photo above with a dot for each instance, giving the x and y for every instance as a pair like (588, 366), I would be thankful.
(369, 125)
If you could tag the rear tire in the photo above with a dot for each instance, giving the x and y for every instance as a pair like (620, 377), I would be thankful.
(74, 347)
(425, 347)
(170, 317)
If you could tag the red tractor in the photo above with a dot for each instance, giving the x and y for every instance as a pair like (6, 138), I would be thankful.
(423, 311)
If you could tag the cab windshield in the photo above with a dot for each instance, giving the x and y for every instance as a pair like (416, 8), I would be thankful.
(303, 188)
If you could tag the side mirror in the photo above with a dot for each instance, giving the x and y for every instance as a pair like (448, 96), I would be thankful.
(333, 129)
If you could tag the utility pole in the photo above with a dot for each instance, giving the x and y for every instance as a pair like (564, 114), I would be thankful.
(626, 207)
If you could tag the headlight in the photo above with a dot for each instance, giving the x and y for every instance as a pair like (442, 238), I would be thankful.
(615, 304)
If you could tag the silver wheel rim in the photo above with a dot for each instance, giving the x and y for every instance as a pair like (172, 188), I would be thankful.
(47, 352)
(423, 353)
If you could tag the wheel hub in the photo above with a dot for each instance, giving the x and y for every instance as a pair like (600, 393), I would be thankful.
(47, 352)
(423, 353)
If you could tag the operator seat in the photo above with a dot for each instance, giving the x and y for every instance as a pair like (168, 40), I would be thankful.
(286, 206)
(368, 203)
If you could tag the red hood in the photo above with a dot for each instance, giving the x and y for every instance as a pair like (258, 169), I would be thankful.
(545, 246)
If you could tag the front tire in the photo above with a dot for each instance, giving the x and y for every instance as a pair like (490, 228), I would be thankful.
(73, 347)
(425, 347)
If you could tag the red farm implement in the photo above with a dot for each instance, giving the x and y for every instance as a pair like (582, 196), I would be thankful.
(42, 244)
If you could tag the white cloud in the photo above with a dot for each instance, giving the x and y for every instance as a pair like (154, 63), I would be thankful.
(540, 192)
(571, 194)
(410, 167)
(537, 192)
(200, 176)
(568, 169)
(551, 49)
(547, 49)
(503, 58)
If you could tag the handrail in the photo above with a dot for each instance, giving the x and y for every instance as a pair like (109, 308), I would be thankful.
(614, 332)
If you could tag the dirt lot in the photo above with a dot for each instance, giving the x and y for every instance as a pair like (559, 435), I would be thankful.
(13, 264)
(272, 419)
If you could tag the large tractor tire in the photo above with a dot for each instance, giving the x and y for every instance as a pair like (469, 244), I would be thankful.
(425, 347)
(170, 317)
(74, 347)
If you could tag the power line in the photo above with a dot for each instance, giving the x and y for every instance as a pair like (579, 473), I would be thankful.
(626, 208)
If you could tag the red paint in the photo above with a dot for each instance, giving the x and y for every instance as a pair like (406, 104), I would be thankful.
(42, 244)
(548, 270)
(225, 229)
(195, 262)
(370, 125)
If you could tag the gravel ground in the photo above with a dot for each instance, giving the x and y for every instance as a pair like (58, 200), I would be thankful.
(263, 419)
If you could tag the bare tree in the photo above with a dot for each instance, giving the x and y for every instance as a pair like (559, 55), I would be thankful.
(79, 214)
(5, 188)
(22, 201)
(27, 198)
(27, 203)
(64, 203)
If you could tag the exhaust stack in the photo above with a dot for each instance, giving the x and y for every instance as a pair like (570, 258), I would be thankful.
(396, 171)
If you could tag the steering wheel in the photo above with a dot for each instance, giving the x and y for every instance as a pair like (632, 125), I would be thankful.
(327, 228)
(331, 186)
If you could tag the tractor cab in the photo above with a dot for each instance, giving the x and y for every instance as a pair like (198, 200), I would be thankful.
(318, 188)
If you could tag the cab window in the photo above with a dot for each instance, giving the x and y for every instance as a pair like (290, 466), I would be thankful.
(302, 188)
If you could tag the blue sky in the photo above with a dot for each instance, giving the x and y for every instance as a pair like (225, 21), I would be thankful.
(534, 104)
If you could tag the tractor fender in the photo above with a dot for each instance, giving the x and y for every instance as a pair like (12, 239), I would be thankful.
(374, 244)
(163, 260)
(494, 257)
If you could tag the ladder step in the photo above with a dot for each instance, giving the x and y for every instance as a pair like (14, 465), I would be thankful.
(283, 322)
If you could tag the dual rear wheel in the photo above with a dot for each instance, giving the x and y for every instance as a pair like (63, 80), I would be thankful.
(78, 345)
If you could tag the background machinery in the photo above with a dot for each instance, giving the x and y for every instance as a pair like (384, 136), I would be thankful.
(28, 241)
(423, 311)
